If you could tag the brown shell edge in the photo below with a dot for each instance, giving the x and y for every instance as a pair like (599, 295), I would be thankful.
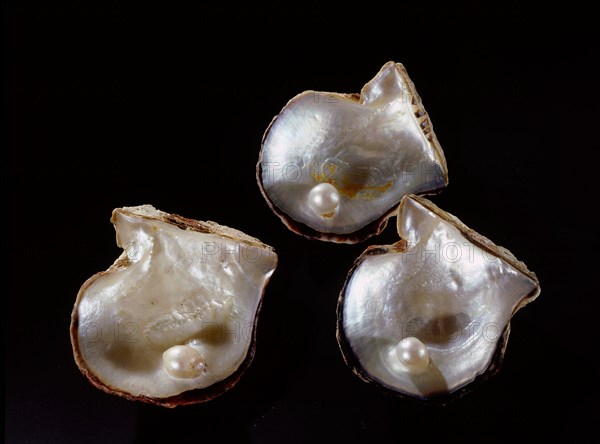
(191, 396)
(378, 225)
(423, 119)
(150, 213)
(352, 361)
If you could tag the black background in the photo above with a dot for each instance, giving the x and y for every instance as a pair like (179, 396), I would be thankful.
(108, 105)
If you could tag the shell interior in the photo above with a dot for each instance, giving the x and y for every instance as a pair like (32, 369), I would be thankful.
(374, 149)
(170, 287)
(445, 285)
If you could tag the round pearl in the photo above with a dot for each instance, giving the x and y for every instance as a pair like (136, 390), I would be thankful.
(323, 198)
(183, 361)
(413, 354)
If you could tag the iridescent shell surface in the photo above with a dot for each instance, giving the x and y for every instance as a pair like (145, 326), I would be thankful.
(374, 148)
(180, 285)
(443, 284)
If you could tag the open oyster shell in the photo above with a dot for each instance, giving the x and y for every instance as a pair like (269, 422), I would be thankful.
(173, 320)
(373, 147)
(443, 284)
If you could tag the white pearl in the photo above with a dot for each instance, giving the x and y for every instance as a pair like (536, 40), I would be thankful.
(183, 361)
(323, 198)
(413, 354)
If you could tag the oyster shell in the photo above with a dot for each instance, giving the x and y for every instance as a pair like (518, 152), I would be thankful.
(173, 320)
(373, 149)
(443, 289)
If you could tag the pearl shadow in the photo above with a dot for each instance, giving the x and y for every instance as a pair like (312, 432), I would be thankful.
(431, 382)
